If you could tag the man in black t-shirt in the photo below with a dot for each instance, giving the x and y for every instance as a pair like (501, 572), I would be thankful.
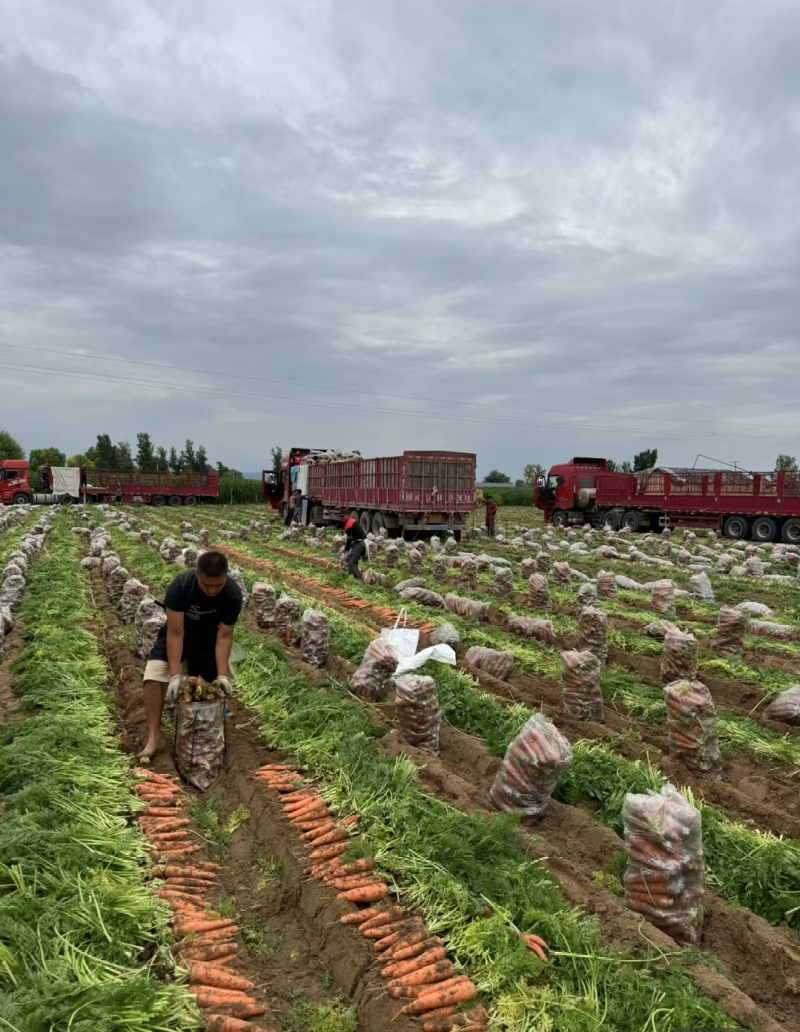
(355, 548)
(202, 607)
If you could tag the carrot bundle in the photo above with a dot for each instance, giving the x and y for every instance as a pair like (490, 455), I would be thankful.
(593, 632)
(531, 766)
(418, 716)
(692, 721)
(664, 875)
(679, 658)
(580, 678)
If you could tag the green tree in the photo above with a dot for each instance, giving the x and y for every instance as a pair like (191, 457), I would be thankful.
(519, 483)
(188, 457)
(162, 462)
(201, 460)
(175, 461)
(80, 460)
(625, 467)
(645, 459)
(494, 476)
(145, 457)
(124, 455)
(788, 463)
(9, 447)
(531, 472)
(105, 455)
(613, 467)
(46, 457)
(277, 459)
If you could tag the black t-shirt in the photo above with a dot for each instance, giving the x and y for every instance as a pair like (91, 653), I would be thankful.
(355, 533)
(202, 617)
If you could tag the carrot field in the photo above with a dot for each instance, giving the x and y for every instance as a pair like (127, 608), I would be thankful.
(129, 901)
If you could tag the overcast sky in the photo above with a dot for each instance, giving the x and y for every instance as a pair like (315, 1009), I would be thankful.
(526, 228)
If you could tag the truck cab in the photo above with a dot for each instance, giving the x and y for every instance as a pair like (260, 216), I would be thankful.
(15, 487)
(567, 494)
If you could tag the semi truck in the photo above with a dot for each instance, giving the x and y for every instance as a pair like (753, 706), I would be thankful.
(71, 484)
(738, 503)
(415, 494)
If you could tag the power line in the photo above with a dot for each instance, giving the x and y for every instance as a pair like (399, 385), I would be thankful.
(218, 392)
(589, 421)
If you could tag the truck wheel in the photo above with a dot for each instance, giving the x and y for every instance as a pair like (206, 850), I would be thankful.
(790, 532)
(632, 520)
(735, 528)
(559, 518)
(175, 500)
(158, 501)
(365, 519)
(20, 499)
(378, 523)
(191, 500)
(764, 529)
(612, 520)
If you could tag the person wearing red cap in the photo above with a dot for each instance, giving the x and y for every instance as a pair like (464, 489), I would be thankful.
(355, 548)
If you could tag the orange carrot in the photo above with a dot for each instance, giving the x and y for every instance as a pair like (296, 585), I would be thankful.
(367, 894)
(176, 854)
(411, 946)
(334, 835)
(322, 828)
(220, 1023)
(159, 811)
(328, 852)
(348, 822)
(394, 933)
(532, 943)
(359, 917)
(237, 1010)
(221, 953)
(198, 927)
(398, 969)
(439, 1020)
(441, 997)
(441, 971)
(356, 881)
(384, 917)
(178, 871)
(358, 865)
(209, 975)
(211, 938)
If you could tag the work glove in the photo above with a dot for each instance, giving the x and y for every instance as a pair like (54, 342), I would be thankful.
(174, 687)
(225, 685)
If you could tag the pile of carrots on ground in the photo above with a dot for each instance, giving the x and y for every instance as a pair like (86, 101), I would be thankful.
(413, 961)
(206, 943)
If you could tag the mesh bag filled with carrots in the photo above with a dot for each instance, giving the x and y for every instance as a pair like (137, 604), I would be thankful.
(538, 592)
(586, 598)
(418, 713)
(606, 584)
(466, 607)
(264, 602)
(423, 597)
(391, 556)
(785, 707)
(562, 574)
(692, 721)
(374, 577)
(440, 568)
(527, 627)
(314, 638)
(679, 658)
(664, 597)
(544, 562)
(199, 749)
(593, 632)
(468, 574)
(287, 618)
(416, 560)
(371, 680)
(766, 629)
(527, 567)
(532, 764)
(730, 632)
(664, 875)
(490, 661)
(504, 582)
(580, 677)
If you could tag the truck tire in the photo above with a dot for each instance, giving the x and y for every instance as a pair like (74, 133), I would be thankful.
(735, 528)
(764, 529)
(790, 532)
(611, 520)
(365, 520)
(559, 518)
(158, 501)
(378, 523)
(20, 499)
(191, 500)
(632, 520)
(175, 500)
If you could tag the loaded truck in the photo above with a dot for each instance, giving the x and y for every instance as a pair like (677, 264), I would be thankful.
(738, 503)
(415, 494)
(70, 484)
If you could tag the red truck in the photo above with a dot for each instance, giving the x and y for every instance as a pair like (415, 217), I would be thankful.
(416, 493)
(68, 484)
(738, 503)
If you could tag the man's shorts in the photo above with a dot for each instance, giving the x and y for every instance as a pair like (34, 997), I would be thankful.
(158, 670)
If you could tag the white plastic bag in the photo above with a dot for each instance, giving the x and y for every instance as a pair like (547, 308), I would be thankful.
(435, 653)
(404, 640)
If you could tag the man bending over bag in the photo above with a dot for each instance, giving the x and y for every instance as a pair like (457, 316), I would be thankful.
(202, 607)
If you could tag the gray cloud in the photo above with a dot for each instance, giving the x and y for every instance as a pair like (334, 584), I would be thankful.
(528, 230)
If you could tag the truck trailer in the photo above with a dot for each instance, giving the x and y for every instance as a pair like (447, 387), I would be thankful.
(737, 503)
(415, 494)
(70, 484)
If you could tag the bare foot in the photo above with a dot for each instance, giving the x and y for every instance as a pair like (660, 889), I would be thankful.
(148, 752)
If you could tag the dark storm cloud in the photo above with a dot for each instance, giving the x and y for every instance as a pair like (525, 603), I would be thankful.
(579, 217)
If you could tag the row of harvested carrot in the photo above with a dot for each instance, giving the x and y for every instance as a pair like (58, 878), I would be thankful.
(415, 963)
(345, 598)
(206, 943)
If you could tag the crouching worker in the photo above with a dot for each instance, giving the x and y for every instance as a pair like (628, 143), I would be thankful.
(355, 548)
(202, 607)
